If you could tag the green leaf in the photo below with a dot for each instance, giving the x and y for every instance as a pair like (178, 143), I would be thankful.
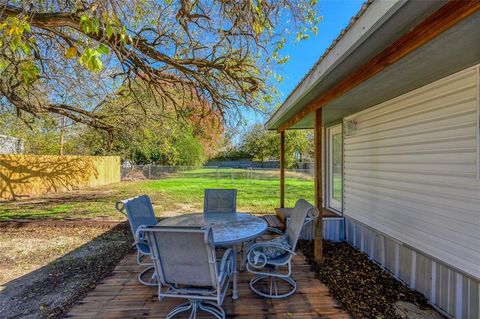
(29, 72)
(91, 59)
(25, 48)
(103, 49)
(109, 30)
(95, 25)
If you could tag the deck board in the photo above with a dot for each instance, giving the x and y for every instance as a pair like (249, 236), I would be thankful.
(121, 296)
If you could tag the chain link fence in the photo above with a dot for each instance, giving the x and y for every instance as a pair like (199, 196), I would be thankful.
(155, 172)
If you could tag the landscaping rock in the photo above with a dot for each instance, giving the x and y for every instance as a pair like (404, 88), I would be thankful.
(408, 310)
(363, 287)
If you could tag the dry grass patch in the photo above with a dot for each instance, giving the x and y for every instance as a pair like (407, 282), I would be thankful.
(45, 268)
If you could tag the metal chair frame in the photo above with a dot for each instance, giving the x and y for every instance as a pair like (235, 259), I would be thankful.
(228, 192)
(139, 241)
(272, 269)
(208, 299)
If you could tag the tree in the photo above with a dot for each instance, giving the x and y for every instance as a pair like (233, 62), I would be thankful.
(262, 145)
(40, 136)
(161, 143)
(161, 139)
(71, 57)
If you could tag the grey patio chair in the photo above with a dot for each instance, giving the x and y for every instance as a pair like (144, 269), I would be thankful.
(184, 259)
(139, 211)
(220, 201)
(308, 229)
(268, 259)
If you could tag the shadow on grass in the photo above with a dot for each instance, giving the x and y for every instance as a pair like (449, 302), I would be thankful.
(48, 292)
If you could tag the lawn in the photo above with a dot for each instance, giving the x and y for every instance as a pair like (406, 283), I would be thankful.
(57, 261)
(174, 193)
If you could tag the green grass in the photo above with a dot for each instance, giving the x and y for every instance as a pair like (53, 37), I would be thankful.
(178, 193)
(337, 187)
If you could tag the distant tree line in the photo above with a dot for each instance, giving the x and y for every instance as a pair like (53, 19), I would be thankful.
(159, 139)
(261, 145)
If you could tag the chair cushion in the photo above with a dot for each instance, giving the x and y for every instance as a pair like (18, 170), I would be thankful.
(273, 252)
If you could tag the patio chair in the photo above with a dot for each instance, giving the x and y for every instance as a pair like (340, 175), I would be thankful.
(139, 211)
(268, 259)
(220, 201)
(184, 259)
(308, 229)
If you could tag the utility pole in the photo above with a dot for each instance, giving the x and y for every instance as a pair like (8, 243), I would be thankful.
(63, 121)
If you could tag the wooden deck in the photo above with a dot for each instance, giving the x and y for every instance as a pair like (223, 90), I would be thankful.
(121, 296)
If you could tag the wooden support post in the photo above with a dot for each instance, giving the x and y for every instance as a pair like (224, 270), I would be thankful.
(282, 169)
(318, 241)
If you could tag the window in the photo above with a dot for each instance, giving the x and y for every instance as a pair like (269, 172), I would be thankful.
(335, 167)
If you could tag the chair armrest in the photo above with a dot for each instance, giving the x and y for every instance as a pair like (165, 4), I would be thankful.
(121, 208)
(274, 230)
(226, 265)
(269, 245)
(139, 236)
(226, 255)
(313, 214)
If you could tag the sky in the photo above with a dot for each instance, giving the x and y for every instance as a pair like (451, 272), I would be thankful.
(303, 55)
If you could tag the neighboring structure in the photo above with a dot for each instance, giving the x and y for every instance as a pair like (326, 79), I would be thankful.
(395, 107)
(242, 163)
(11, 145)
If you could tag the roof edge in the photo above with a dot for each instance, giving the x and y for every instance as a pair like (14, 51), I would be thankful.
(370, 17)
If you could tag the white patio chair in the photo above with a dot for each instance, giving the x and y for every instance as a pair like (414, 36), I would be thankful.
(268, 259)
(184, 259)
(220, 201)
(139, 211)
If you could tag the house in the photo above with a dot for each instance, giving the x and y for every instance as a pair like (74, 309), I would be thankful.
(11, 145)
(394, 104)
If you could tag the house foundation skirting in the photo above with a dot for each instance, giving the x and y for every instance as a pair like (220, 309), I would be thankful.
(453, 292)
(334, 229)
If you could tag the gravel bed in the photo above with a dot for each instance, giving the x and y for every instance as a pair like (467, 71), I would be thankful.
(363, 287)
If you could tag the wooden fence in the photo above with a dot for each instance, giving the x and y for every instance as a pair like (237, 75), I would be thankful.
(31, 175)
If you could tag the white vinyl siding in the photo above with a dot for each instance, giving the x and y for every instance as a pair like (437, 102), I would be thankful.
(411, 170)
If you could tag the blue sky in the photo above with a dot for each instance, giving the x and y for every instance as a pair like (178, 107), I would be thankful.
(336, 16)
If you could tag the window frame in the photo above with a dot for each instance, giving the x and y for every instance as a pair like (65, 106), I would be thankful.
(332, 203)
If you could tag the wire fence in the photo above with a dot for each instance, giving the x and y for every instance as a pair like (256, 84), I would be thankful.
(155, 172)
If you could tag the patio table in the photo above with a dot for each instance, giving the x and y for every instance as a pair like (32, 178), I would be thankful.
(229, 229)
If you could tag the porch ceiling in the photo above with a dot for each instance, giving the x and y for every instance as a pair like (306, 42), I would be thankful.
(454, 50)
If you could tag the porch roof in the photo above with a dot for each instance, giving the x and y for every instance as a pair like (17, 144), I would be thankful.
(377, 26)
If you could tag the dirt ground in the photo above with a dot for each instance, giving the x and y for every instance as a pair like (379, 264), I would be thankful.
(48, 265)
